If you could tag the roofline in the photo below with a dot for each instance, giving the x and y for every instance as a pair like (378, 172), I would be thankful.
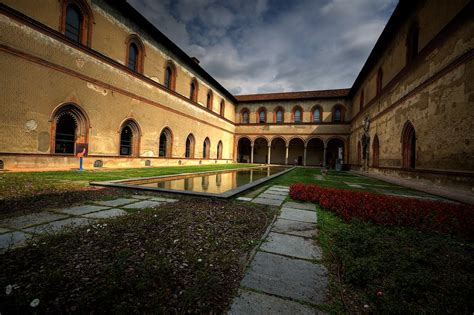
(280, 96)
(127, 10)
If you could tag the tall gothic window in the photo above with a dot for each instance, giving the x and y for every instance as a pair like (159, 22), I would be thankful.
(245, 117)
(189, 153)
(279, 115)
(133, 57)
(206, 147)
(261, 116)
(126, 138)
(222, 109)
(165, 143)
(297, 113)
(317, 115)
(74, 23)
(209, 100)
(65, 134)
(193, 92)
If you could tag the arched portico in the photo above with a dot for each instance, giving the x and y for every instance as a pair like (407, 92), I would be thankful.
(260, 150)
(244, 150)
(315, 152)
(278, 151)
(296, 151)
(333, 148)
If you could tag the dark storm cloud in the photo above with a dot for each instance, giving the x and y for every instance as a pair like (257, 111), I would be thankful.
(268, 46)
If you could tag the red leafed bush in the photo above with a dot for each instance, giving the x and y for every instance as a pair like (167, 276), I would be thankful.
(427, 215)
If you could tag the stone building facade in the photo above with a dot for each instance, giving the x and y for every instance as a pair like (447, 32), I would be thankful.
(95, 76)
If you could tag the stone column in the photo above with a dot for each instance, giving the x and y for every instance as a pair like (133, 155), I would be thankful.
(286, 155)
(251, 153)
(304, 155)
(324, 155)
(269, 154)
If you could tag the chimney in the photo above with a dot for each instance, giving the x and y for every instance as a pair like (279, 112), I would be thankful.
(195, 60)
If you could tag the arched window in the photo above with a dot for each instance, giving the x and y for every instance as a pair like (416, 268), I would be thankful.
(222, 109)
(361, 100)
(244, 116)
(129, 138)
(379, 80)
(189, 153)
(166, 141)
(70, 127)
(279, 115)
(206, 148)
(297, 115)
(262, 116)
(126, 138)
(338, 114)
(209, 100)
(193, 93)
(135, 53)
(317, 114)
(170, 76)
(219, 150)
(375, 152)
(76, 21)
(412, 42)
(408, 146)
(66, 134)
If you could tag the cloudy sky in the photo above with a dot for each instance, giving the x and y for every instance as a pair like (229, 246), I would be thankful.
(263, 46)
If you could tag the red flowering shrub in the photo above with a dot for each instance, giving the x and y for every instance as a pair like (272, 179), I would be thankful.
(428, 215)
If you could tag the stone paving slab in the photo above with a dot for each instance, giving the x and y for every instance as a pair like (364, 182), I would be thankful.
(244, 199)
(80, 210)
(4, 230)
(11, 239)
(355, 185)
(164, 199)
(295, 228)
(141, 197)
(287, 277)
(298, 205)
(116, 202)
(280, 186)
(57, 225)
(298, 215)
(31, 219)
(270, 196)
(290, 245)
(277, 193)
(279, 189)
(143, 205)
(253, 303)
(268, 202)
(106, 214)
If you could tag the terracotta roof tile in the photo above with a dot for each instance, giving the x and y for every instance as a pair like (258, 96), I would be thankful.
(293, 95)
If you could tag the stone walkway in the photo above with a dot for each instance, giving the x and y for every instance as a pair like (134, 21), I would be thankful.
(15, 231)
(285, 276)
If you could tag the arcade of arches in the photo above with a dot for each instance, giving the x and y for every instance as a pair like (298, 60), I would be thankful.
(294, 151)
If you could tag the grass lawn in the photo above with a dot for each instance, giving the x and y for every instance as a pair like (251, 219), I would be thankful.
(26, 192)
(183, 257)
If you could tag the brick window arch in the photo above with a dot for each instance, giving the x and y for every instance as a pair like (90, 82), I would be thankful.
(209, 99)
(76, 20)
(317, 114)
(135, 53)
(338, 113)
(297, 115)
(412, 42)
(130, 138)
(244, 116)
(170, 76)
(222, 108)
(219, 150)
(166, 143)
(262, 115)
(190, 145)
(206, 148)
(279, 115)
(408, 146)
(193, 90)
(375, 152)
(69, 127)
